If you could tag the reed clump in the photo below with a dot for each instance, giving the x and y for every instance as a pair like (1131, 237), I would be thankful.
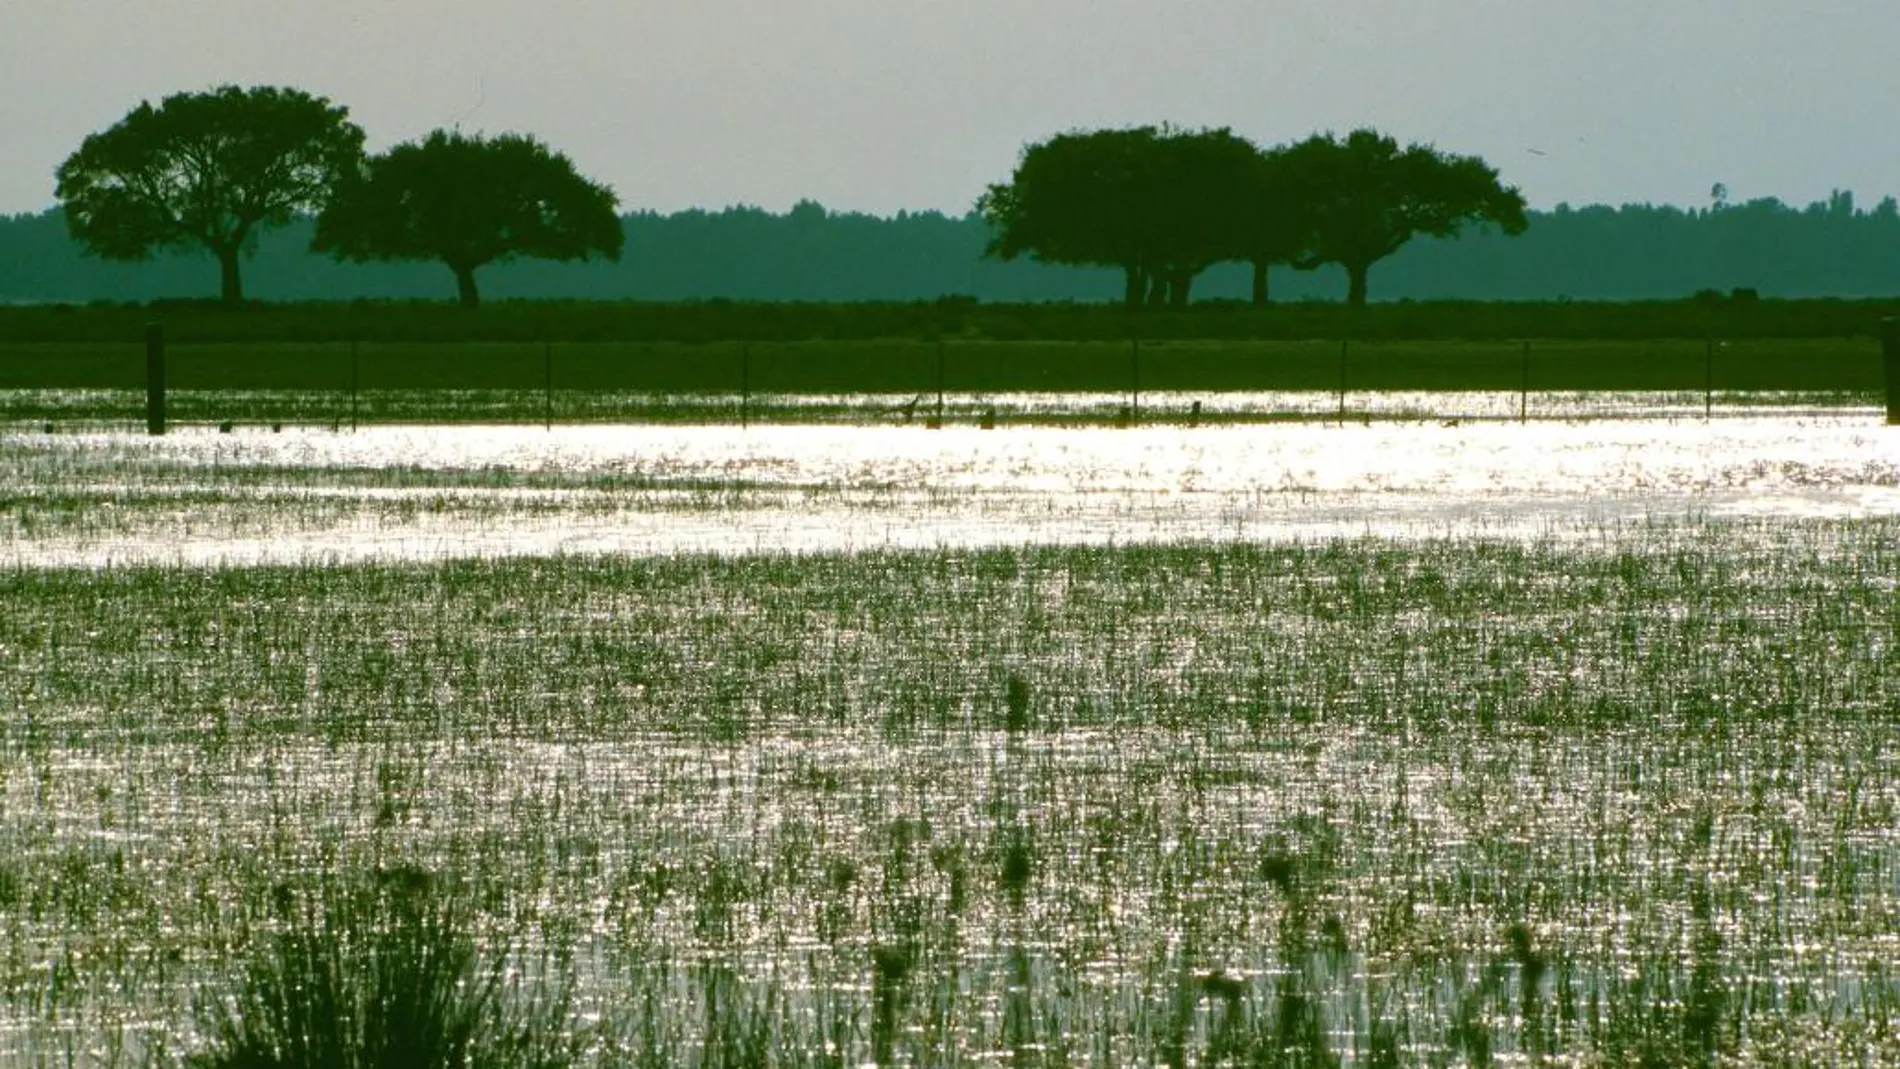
(380, 972)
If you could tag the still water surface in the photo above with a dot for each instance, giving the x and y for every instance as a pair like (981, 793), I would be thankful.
(422, 492)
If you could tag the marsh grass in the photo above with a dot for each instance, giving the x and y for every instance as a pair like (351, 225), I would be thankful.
(1624, 797)
(257, 412)
(379, 972)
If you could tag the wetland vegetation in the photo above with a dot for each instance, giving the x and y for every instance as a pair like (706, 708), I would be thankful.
(1214, 738)
(1623, 798)
(1147, 752)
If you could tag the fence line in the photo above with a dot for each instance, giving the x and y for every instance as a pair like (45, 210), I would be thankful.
(866, 381)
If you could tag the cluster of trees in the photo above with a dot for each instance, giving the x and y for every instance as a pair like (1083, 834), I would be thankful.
(1834, 247)
(214, 169)
(1163, 205)
(1157, 215)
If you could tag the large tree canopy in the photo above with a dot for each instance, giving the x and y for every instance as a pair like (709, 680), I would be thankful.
(206, 169)
(1205, 206)
(1161, 204)
(1363, 198)
(1076, 199)
(468, 202)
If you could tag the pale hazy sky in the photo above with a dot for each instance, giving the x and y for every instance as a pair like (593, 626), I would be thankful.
(876, 105)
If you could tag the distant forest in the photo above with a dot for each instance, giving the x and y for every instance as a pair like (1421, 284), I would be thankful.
(1636, 252)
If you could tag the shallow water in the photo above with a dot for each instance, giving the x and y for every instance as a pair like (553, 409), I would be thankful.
(425, 492)
(1478, 737)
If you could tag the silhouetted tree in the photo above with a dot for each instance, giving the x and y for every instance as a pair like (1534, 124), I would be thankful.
(206, 169)
(1077, 199)
(468, 202)
(1206, 204)
(1364, 198)
(1160, 204)
(1276, 224)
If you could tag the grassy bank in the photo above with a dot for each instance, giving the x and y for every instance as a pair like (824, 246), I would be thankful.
(1624, 799)
(1733, 317)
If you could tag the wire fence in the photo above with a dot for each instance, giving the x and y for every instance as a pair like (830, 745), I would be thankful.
(940, 382)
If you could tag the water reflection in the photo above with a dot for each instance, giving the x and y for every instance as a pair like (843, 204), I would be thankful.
(416, 492)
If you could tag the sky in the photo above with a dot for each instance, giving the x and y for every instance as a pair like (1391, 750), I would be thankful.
(887, 105)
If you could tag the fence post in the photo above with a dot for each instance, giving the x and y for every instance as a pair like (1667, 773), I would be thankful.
(354, 376)
(1524, 386)
(547, 385)
(154, 378)
(1890, 344)
(1708, 378)
(939, 382)
(1343, 343)
(1134, 359)
(745, 385)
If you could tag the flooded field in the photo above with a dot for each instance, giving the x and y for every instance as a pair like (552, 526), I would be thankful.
(1388, 743)
(414, 492)
(99, 408)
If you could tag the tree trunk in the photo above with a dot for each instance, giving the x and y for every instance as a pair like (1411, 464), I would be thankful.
(1157, 289)
(230, 283)
(1259, 283)
(1356, 290)
(1131, 287)
(465, 286)
(1180, 282)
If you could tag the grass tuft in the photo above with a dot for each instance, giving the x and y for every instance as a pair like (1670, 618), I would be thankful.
(379, 973)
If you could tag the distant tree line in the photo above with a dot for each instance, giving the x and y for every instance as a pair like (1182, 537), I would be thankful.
(265, 177)
(1831, 248)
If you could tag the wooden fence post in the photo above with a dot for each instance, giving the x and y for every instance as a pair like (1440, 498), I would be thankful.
(1890, 344)
(154, 378)
(1343, 343)
(355, 376)
(1708, 378)
(1524, 386)
(1134, 351)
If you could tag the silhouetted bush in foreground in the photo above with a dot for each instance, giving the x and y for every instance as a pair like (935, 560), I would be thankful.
(380, 974)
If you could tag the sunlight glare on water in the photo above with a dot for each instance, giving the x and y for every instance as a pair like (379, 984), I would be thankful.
(491, 490)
